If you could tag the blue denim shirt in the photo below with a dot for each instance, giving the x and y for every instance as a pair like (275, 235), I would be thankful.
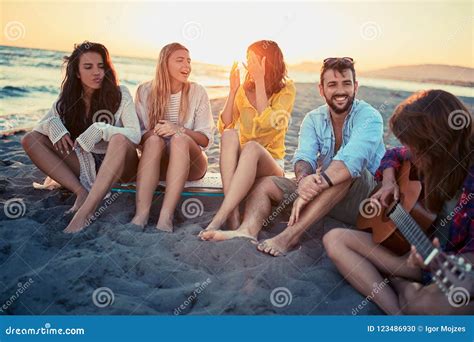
(362, 139)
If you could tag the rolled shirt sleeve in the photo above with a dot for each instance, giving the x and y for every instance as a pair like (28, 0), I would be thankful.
(51, 125)
(128, 127)
(393, 158)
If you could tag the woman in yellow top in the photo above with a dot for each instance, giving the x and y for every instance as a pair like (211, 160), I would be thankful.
(253, 125)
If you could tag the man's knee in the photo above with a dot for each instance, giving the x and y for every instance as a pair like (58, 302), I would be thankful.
(263, 187)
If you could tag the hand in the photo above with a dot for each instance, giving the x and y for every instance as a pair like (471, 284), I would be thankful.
(387, 193)
(166, 128)
(256, 68)
(64, 145)
(415, 260)
(234, 77)
(310, 186)
(77, 146)
(298, 205)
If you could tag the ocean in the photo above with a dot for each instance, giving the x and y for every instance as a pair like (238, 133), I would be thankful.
(30, 82)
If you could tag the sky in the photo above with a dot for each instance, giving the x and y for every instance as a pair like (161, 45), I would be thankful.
(376, 34)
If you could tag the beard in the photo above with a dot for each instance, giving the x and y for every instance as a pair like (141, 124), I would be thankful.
(339, 110)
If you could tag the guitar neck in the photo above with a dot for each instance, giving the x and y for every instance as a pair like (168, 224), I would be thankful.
(413, 233)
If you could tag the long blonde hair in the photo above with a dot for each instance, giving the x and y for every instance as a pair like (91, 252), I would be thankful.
(161, 88)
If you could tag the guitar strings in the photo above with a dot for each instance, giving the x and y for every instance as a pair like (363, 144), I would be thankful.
(413, 231)
(411, 228)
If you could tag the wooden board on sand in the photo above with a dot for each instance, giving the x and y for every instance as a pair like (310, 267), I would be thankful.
(210, 185)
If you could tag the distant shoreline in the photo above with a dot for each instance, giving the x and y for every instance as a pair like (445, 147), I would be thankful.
(427, 80)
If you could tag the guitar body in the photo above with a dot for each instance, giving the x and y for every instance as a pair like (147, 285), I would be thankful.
(384, 231)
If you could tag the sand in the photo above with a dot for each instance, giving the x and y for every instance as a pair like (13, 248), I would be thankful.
(113, 268)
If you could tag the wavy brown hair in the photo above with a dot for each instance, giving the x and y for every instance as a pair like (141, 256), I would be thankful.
(438, 130)
(275, 68)
(70, 106)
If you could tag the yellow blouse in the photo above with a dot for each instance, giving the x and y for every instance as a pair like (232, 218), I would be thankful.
(267, 128)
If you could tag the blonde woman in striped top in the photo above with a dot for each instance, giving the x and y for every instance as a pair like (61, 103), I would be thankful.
(177, 126)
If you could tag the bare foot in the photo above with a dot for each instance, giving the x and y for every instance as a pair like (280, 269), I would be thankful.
(209, 228)
(233, 221)
(221, 235)
(215, 224)
(80, 199)
(78, 223)
(165, 224)
(140, 221)
(277, 246)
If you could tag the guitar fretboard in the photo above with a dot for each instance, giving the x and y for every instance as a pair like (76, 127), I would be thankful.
(411, 231)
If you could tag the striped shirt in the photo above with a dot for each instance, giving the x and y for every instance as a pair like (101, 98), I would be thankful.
(172, 109)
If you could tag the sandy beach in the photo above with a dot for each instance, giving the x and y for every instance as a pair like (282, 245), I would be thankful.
(112, 268)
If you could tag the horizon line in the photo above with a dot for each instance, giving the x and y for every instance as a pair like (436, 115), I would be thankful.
(223, 65)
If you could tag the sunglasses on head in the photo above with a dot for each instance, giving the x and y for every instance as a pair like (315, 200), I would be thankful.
(333, 59)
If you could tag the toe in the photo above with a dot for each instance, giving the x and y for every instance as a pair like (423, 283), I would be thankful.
(261, 246)
(206, 235)
(276, 252)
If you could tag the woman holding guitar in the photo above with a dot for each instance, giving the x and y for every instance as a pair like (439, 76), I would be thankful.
(436, 130)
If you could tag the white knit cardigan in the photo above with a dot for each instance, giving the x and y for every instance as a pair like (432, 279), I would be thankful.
(96, 137)
(198, 118)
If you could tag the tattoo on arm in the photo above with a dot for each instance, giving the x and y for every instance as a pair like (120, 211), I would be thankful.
(303, 168)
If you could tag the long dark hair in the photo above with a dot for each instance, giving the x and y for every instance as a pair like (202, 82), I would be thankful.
(275, 68)
(70, 106)
(438, 130)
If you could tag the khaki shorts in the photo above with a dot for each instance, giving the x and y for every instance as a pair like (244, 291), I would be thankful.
(346, 210)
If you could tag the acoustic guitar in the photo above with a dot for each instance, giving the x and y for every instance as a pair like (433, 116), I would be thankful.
(404, 223)
(372, 216)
